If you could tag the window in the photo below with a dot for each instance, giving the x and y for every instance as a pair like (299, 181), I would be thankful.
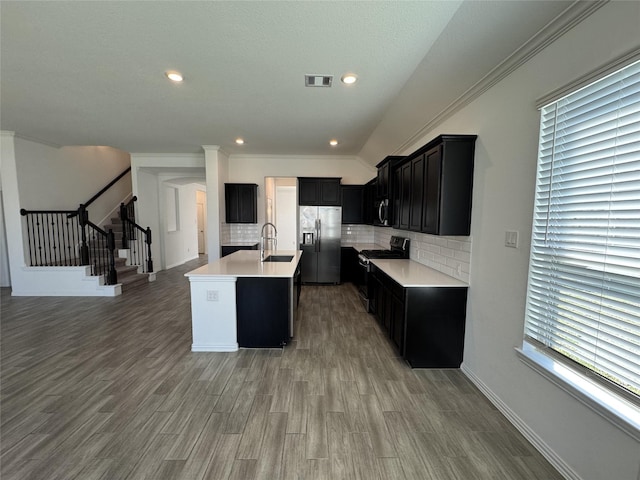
(583, 296)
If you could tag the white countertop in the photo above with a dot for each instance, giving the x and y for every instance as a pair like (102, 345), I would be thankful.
(240, 244)
(413, 274)
(246, 263)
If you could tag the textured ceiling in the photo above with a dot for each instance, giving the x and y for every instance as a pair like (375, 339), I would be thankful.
(91, 73)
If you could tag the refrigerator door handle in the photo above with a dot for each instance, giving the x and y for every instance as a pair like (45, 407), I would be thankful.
(318, 234)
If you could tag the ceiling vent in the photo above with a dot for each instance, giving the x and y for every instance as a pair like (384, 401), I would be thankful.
(318, 80)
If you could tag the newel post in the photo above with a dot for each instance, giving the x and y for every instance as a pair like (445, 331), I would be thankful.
(148, 242)
(112, 276)
(83, 218)
(123, 219)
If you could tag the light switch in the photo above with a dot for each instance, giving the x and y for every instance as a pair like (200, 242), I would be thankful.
(511, 239)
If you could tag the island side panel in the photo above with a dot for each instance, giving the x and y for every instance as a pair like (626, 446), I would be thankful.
(213, 314)
(263, 311)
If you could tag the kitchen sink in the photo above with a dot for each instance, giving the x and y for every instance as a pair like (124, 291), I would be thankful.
(279, 258)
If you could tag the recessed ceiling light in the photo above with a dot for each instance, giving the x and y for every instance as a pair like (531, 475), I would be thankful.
(239, 141)
(174, 76)
(349, 78)
(333, 142)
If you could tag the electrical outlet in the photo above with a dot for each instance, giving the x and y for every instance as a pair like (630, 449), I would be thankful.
(511, 239)
(212, 295)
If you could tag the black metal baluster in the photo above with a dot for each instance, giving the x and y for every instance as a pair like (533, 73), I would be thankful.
(57, 243)
(40, 235)
(29, 236)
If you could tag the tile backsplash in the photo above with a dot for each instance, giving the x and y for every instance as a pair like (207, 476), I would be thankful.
(240, 232)
(357, 234)
(449, 255)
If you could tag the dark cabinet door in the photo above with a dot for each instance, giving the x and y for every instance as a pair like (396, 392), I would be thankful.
(397, 322)
(319, 191)
(262, 306)
(241, 202)
(431, 206)
(416, 195)
(353, 203)
(404, 210)
(329, 191)
(369, 201)
(307, 191)
(383, 180)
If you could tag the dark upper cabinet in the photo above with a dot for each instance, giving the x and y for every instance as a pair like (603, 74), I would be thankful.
(384, 185)
(404, 207)
(449, 186)
(319, 191)
(370, 190)
(241, 202)
(431, 208)
(433, 187)
(383, 179)
(416, 194)
(353, 197)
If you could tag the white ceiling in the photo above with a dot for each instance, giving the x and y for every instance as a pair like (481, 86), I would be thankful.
(92, 72)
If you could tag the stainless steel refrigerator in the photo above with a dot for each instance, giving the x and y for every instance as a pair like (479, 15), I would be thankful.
(319, 235)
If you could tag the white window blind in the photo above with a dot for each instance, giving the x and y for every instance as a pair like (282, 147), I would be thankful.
(583, 297)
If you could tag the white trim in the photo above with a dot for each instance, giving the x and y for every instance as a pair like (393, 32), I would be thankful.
(604, 402)
(554, 459)
(569, 18)
(214, 348)
(591, 77)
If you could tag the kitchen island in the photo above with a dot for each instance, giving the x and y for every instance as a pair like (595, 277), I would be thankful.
(239, 301)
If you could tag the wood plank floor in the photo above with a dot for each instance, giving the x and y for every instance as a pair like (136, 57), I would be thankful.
(107, 388)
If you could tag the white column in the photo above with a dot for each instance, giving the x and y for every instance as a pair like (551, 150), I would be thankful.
(11, 205)
(216, 171)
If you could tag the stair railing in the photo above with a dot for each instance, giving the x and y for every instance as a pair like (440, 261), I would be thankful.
(136, 238)
(68, 238)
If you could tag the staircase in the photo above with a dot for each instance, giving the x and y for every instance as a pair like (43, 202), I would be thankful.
(68, 255)
(128, 275)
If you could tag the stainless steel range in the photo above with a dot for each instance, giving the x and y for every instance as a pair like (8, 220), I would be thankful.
(399, 248)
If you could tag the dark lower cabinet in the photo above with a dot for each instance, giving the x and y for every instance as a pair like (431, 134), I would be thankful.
(229, 249)
(262, 309)
(350, 271)
(426, 324)
(435, 324)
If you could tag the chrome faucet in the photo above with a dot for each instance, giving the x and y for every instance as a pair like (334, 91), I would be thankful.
(264, 239)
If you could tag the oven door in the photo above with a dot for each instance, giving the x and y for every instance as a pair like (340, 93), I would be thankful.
(362, 281)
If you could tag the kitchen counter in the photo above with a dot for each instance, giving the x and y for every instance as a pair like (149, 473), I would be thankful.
(246, 263)
(238, 300)
(409, 273)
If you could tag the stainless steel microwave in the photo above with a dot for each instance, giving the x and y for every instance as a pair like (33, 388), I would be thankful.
(381, 213)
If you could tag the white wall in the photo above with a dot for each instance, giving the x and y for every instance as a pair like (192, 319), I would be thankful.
(62, 178)
(254, 169)
(38, 176)
(149, 173)
(181, 245)
(582, 443)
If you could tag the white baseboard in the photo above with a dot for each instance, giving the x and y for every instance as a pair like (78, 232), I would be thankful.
(214, 348)
(554, 459)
